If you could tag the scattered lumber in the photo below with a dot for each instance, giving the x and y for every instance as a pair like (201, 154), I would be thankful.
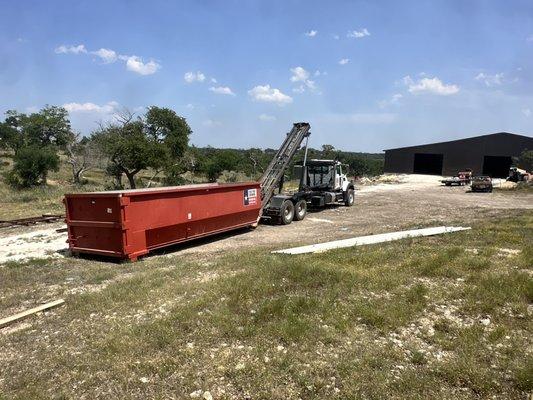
(24, 314)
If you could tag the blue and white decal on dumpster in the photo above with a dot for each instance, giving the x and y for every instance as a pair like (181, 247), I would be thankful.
(250, 197)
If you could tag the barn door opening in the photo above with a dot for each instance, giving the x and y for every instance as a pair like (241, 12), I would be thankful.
(428, 164)
(496, 166)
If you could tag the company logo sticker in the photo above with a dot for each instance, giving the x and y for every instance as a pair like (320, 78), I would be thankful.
(250, 197)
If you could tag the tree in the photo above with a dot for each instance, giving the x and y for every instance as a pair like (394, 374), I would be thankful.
(328, 151)
(31, 165)
(48, 127)
(222, 160)
(35, 140)
(525, 160)
(83, 155)
(258, 161)
(156, 140)
(9, 137)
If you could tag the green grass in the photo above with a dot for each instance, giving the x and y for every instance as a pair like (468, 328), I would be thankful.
(399, 320)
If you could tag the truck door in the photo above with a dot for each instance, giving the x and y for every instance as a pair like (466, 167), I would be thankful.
(338, 177)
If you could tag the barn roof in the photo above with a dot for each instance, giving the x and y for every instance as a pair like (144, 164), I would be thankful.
(491, 135)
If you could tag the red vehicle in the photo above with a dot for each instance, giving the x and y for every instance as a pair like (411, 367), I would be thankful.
(462, 178)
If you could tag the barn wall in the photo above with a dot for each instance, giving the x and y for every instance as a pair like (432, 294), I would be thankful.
(459, 154)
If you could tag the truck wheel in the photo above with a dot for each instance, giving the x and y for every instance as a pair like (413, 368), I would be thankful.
(287, 212)
(300, 210)
(349, 198)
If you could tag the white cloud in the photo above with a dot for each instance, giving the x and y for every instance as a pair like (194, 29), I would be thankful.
(190, 106)
(311, 33)
(358, 34)
(269, 95)
(430, 85)
(211, 123)
(108, 56)
(490, 80)
(213, 80)
(191, 77)
(222, 90)
(299, 74)
(336, 37)
(394, 99)
(344, 61)
(527, 112)
(136, 64)
(107, 108)
(63, 49)
(267, 118)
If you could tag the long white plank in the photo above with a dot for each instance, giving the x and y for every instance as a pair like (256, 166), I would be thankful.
(371, 239)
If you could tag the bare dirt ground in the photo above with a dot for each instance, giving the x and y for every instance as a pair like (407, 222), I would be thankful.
(407, 201)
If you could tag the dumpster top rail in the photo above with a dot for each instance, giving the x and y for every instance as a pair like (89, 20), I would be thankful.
(170, 189)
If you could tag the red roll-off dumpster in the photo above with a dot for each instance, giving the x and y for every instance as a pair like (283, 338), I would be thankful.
(130, 223)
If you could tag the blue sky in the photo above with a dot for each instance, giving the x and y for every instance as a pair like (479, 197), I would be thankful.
(367, 75)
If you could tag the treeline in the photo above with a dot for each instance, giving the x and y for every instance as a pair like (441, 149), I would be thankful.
(156, 142)
(252, 162)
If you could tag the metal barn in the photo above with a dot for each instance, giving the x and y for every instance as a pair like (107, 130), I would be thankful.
(484, 155)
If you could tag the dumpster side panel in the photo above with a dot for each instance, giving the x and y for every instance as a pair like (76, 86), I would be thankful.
(161, 219)
(131, 223)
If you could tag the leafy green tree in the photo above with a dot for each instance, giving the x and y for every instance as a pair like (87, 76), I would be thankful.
(31, 165)
(223, 160)
(156, 140)
(9, 137)
(35, 140)
(48, 127)
(525, 160)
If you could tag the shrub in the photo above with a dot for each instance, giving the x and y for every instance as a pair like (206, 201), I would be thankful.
(31, 165)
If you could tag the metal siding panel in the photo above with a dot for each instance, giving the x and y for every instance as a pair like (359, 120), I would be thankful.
(156, 218)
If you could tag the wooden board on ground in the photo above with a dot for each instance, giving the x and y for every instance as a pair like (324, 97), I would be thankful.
(21, 315)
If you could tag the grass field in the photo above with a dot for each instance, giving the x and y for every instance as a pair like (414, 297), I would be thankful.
(441, 317)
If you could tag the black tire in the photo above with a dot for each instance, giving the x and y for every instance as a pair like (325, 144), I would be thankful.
(300, 210)
(287, 212)
(349, 198)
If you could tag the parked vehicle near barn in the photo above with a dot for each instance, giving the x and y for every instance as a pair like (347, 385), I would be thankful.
(462, 178)
(518, 175)
(481, 184)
